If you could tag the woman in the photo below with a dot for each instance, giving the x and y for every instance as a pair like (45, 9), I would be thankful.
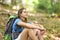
(25, 29)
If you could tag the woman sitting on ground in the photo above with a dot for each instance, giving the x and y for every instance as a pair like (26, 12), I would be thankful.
(26, 30)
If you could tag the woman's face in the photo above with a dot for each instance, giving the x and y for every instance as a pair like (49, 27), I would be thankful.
(24, 13)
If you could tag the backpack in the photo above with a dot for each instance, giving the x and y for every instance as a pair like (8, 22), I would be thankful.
(8, 31)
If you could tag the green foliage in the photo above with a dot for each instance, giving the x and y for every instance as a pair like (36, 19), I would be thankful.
(7, 37)
(44, 5)
(48, 6)
(56, 7)
(14, 2)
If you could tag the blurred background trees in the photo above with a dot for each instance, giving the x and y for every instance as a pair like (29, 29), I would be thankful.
(49, 6)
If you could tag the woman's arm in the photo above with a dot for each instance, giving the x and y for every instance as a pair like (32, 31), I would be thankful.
(38, 24)
(27, 25)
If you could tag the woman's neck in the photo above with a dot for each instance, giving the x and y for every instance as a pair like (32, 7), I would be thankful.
(23, 19)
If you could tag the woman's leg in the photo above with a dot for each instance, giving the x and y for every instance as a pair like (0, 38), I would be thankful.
(40, 34)
(24, 34)
(37, 33)
(32, 35)
(28, 33)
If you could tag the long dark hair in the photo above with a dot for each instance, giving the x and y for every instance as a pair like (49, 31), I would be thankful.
(20, 12)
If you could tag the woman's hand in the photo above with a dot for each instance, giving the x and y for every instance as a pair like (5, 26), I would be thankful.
(41, 27)
(42, 30)
(37, 27)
